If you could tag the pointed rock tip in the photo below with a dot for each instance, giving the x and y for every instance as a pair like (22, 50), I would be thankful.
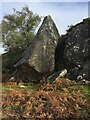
(48, 17)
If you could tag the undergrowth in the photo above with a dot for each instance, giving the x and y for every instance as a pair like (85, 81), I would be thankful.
(63, 100)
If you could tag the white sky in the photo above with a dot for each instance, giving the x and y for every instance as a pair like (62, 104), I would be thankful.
(63, 13)
(45, 1)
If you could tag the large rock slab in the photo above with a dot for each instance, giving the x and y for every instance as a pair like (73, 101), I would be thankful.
(40, 55)
(76, 49)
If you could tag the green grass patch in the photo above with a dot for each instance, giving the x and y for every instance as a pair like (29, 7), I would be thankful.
(6, 89)
(28, 87)
(84, 89)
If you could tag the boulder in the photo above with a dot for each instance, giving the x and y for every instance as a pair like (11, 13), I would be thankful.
(75, 52)
(57, 75)
(39, 58)
(85, 72)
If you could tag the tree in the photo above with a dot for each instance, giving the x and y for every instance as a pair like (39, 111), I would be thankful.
(18, 30)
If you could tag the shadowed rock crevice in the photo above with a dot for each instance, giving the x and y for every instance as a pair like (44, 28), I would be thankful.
(59, 52)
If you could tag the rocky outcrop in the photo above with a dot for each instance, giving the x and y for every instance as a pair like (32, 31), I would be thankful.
(39, 58)
(49, 53)
(75, 52)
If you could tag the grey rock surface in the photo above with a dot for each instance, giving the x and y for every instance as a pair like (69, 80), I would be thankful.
(40, 55)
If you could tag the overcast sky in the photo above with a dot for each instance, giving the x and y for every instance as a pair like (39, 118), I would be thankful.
(63, 13)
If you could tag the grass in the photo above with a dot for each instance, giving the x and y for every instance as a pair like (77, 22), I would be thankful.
(84, 89)
(6, 87)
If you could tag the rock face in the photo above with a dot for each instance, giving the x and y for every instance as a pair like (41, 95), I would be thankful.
(39, 58)
(59, 52)
(86, 70)
(50, 53)
(75, 52)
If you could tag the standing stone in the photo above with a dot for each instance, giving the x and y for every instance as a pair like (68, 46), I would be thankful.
(39, 57)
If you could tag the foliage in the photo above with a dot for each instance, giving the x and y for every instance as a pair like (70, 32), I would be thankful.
(23, 103)
(18, 31)
(9, 59)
